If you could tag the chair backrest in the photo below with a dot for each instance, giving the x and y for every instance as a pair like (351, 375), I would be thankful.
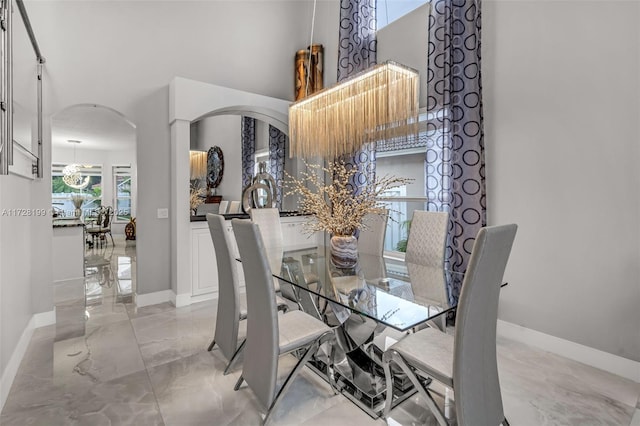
(222, 207)
(475, 372)
(371, 239)
(108, 215)
(228, 317)
(262, 349)
(427, 238)
(234, 207)
(268, 220)
(270, 228)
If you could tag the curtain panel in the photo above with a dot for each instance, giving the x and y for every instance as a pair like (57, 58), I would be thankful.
(455, 136)
(248, 132)
(277, 154)
(357, 52)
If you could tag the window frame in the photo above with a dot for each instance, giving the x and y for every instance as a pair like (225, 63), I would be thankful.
(87, 169)
(119, 170)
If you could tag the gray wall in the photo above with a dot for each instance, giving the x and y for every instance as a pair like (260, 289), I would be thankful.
(223, 131)
(245, 45)
(561, 97)
(122, 55)
(561, 84)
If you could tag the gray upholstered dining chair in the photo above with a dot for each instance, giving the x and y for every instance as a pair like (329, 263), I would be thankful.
(427, 244)
(232, 307)
(467, 361)
(371, 239)
(268, 220)
(230, 311)
(222, 207)
(270, 335)
(427, 238)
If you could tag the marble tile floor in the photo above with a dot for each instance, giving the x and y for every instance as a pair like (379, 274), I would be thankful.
(111, 363)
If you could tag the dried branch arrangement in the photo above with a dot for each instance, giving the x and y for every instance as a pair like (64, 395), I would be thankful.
(77, 200)
(196, 197)
(334, 206)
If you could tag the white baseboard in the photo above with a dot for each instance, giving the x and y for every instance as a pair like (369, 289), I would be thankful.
(44, 319)
(177, 300)
(187, 299)
(154, 298)
(594, 357)
(9, 374)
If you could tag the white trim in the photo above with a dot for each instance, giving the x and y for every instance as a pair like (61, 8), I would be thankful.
(10, 371)
(187, 299)
(43, 319)
(183, 299)
(154, 298)
(594, 357)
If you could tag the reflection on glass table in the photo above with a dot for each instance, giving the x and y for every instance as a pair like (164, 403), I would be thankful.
(371, 306)
(391, 292)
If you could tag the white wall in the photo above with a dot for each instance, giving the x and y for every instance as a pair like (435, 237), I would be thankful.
(15, 263)
(561, 97)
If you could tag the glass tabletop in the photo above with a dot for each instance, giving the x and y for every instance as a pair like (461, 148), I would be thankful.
(392, 292)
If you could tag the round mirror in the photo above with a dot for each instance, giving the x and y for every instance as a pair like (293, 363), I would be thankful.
(215, 166)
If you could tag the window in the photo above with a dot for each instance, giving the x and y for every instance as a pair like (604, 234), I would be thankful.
(122, 193)
(261, 156)
(390, 10)
(62, 195)
(402, 201)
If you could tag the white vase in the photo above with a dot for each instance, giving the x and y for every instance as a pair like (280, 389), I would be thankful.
(344, 251)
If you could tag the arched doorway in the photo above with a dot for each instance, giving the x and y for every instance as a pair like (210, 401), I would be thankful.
(97, 143)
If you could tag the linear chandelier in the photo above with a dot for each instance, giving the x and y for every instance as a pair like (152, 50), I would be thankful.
(377, 104)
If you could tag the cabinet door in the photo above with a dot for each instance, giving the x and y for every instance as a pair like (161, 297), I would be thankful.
(204, 269)
(293, 233)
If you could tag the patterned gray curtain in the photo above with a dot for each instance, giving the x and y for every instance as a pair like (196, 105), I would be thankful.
(248, 132)
(277, 154)
(357, 52)
(455, 144)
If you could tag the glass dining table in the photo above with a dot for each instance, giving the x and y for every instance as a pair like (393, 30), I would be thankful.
(371, 305)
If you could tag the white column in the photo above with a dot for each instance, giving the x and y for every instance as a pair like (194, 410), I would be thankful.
(179, 213)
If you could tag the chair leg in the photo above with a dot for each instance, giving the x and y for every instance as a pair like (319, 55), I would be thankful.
(112, 242)
(213, 343)
(397, 358)
(238, 383)
(330, 337)
(234, 356)
(389, 384)
(505, 422)
(310, 351)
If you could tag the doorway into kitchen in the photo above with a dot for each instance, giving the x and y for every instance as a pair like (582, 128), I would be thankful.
(93, 180)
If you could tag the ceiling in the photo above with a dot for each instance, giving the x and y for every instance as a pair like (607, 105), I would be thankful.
(98, 128)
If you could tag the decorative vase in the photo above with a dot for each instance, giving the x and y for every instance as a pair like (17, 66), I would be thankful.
(130, 229)
(344, 250)
(77, 212)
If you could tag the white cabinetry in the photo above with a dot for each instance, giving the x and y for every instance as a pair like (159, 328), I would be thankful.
(204, 270)
(293, 232)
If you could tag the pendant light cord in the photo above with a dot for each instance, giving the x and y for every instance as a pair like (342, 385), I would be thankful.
(313, 23)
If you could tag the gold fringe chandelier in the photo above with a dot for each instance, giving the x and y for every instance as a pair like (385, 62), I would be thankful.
(379, 103)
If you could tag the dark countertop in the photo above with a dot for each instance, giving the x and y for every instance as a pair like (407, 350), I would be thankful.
(203, 218)
(67, 223)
